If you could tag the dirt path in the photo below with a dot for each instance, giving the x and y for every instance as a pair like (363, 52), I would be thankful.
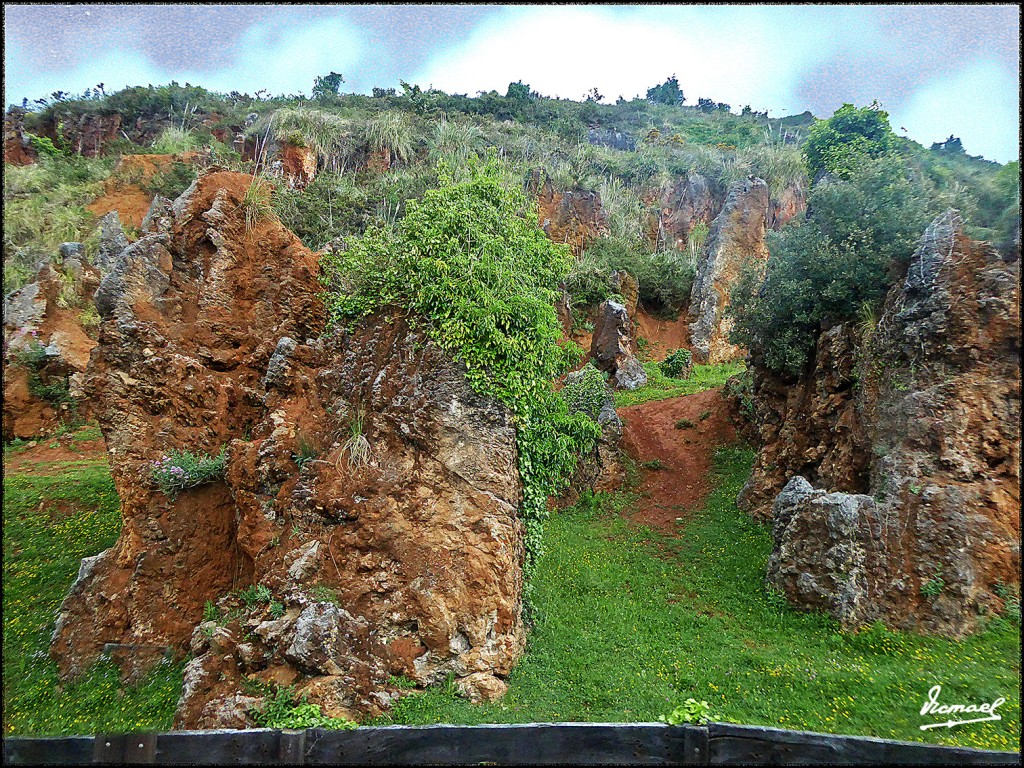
(686, 453)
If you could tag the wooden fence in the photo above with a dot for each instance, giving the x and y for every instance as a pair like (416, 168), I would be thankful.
(531, 744)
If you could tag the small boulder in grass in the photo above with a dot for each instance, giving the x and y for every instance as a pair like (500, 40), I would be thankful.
(678, 365)
(481, 687)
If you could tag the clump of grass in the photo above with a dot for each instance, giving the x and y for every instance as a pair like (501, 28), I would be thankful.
(684, 424)
(174, 141)
(180, 470)
(357, 446)
(308, 451)
(391, 132)
(256, 203)
(704, 415)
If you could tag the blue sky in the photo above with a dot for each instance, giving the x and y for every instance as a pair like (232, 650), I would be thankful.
(938, 70)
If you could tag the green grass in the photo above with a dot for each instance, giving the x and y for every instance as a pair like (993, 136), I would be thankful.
(630, 624)
(659, 386)
(633, 623)
(50, 523)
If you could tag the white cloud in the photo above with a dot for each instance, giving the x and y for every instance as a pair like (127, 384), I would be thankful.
(741, 55)
(281, 60)
(979, 103)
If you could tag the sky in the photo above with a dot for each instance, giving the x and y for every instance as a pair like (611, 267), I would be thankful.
(939, 70)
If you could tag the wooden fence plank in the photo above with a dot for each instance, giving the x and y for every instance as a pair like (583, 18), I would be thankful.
(258, 746)
(737, 745)
(527, 744)
(534, 744)
(61, 750)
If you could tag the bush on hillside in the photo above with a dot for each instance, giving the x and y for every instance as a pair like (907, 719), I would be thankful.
(861, 233)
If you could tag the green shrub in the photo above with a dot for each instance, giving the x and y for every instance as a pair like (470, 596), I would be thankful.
(180, 470)
(677, 363)
(587, 392)
(470, 259)
(862, 232)
(690, 711)
(286, 710)
(851, 136)
(173, 141)
(43, 145)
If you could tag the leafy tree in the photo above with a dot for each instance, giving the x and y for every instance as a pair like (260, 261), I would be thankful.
(666, 93)
(518, 90)
(848, 138)
(327, 86)
(862, 230)
(953, 145)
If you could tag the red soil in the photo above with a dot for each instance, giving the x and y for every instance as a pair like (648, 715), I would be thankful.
(685, 481)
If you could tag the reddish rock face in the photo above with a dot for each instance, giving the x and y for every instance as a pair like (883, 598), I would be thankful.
(298, 165)
(915, 429)
(790, 203)
(404, 558)
(17, 148)
(47, 314)
(681, 204)
(574, 217)
(736, 238)
(84, 134)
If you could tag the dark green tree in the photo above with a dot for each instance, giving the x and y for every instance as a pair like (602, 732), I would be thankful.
(327, 86)
(848, 138)
(666, 93)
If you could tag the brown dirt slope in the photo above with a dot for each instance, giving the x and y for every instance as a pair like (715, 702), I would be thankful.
(685, 481)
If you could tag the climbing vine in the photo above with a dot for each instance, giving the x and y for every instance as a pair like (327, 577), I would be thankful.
(470, 259)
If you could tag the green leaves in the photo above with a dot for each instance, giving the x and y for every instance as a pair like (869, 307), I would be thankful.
(690, 711)
(840, 144)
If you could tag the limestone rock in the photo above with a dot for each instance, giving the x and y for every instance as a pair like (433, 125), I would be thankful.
(820, 553)
(611, 347)
(407, 561)
(112, 241)
(480, 687)
(681, 204)
(931, 434)
(736, 238)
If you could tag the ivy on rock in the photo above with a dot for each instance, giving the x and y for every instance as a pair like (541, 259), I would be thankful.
(470, 259)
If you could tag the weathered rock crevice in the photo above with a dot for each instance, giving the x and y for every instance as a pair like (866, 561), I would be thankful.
(912, 428)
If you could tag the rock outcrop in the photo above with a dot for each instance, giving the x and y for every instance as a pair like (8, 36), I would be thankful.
(736, 239)
(682, 203)
(366, 523)
(602, 469)
(573, 216)
(611, 347)
(47, 342)
(17, 146)
(912, 428)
